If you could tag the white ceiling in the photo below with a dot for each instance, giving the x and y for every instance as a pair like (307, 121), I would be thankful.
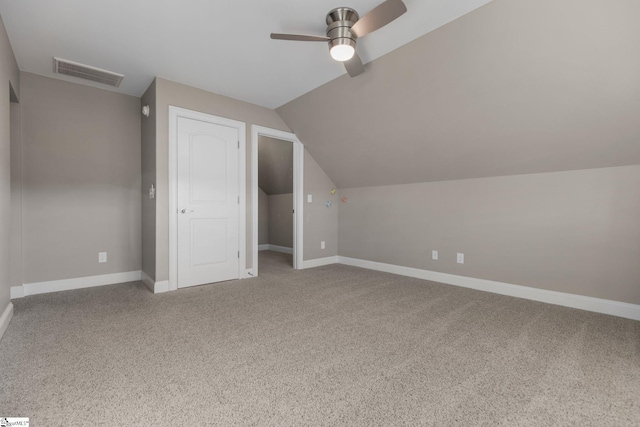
(220, 46)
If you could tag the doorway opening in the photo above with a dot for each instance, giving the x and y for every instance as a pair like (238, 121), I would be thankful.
(277, 198)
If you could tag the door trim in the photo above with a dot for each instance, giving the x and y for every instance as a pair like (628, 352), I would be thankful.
(298, 192)
(174, 114)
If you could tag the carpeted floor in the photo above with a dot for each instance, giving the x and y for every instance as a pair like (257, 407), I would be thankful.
(329, 346)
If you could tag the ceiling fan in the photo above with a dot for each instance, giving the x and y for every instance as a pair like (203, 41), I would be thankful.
(344, 27)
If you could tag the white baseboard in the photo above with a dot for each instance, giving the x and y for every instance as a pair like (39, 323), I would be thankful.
(161, 286)
(276, 248)
(318, 262)
(147, 280)
(598, 305)
(6, 317)
(76, 283)
(16, 292)
(155, 287)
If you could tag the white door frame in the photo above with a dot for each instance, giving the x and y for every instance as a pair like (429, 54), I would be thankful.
(174, 114)
(298, 191)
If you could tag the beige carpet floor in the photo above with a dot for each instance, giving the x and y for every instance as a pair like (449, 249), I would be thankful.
(329, 346)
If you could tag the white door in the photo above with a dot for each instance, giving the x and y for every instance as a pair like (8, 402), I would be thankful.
(208, 202)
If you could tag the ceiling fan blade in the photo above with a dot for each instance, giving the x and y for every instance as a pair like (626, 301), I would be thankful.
(378, 17)
(299, 37)
(354, 66)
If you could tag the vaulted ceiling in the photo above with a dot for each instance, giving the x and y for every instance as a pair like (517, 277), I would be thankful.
(219, 46)
(514, 87)
(509, 87)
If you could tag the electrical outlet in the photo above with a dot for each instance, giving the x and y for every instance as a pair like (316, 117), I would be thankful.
(322, 245)
(434, 255)
(309, 198)
(460, 258)
(102, 257)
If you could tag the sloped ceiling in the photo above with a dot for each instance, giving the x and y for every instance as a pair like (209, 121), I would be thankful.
(514, 87)
(275, 166)
(219, 46)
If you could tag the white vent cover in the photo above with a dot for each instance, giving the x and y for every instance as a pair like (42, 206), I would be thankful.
(87, 72)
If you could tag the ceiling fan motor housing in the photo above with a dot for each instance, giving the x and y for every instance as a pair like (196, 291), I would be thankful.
(339, 23)
(344, 26)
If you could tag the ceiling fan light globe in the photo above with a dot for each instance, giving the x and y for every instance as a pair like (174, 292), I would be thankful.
(342, 52)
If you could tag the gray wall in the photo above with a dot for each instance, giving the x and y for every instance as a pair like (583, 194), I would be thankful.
(9, 74)
(320, 222)
(281, 220)
(575, 232)
(318, 225)
(492, 94)
(148, 165)
(81, 179)
(516, 86)
(263, 217)
(16, 197)
(171, 93)
(275, 165)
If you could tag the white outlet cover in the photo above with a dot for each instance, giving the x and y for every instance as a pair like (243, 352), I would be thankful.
(102, 257)
(434, 255)
(322, 245)
(460, 258)
(309, 198)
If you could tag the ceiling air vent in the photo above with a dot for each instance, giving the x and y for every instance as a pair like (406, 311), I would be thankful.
(86, 72)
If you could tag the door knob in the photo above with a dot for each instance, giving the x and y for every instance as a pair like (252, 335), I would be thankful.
(186, 211)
